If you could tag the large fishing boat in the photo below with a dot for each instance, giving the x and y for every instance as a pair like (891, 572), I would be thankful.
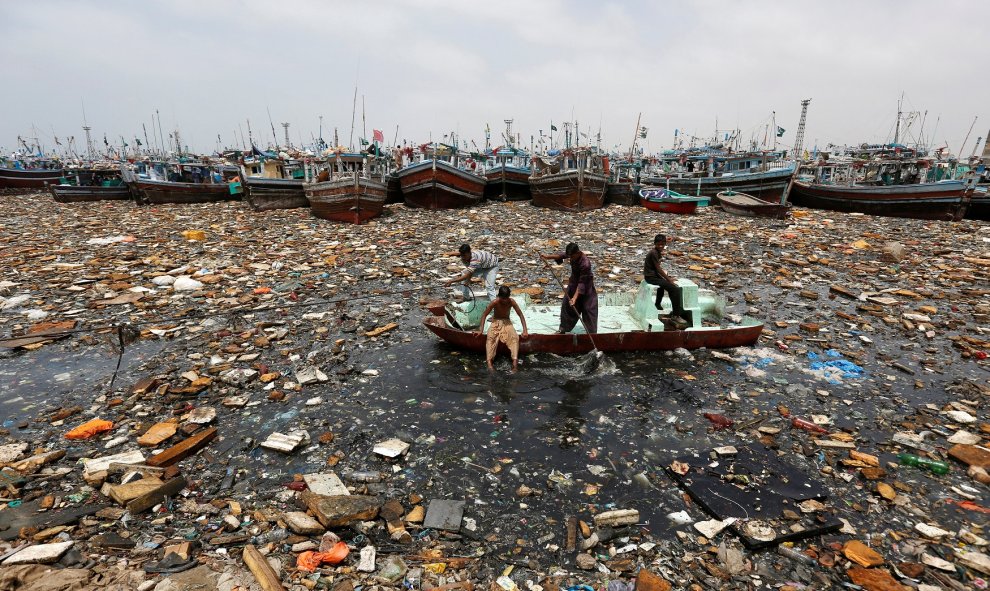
(87, 183)
(181, 182)
(763, 175)
(352, 189)
(626, 322)
(29, 174)
(884, 188)
(439, 181)
(508, 175)
(271, 182)
(569, 180)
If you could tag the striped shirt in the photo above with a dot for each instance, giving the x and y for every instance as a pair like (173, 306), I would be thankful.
(481, 259)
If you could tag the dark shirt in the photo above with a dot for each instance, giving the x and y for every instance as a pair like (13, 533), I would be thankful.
(651, 264)
(581, 277)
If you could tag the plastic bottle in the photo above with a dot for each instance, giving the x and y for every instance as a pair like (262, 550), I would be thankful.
(932, 466)
(807, 426)
(363, 476)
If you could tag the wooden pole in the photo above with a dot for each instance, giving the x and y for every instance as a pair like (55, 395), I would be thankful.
(632, 149)
(261, 570)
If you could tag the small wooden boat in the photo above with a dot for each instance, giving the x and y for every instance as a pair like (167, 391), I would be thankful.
(29, 177)
(626, 322)
(664, 201)
(749, 206)
(438, 184)
(264, 194)
(351, 198)
(90, 184)
(195, 183)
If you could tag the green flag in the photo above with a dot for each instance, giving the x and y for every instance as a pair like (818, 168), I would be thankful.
(780, 131)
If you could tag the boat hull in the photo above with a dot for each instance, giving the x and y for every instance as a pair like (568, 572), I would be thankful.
(685, 207)
(165, 192)
(622, 194)
(749, 206)
(266, 194)
(608, 342)
(507, 183)
(351, 200)
(927, 201)
(568, 191)
(16, 178)
(979, 206)
(440, 187)
(74, 194)
(393, 189)
(768, 185)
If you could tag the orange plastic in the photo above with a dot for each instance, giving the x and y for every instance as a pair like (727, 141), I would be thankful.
(89, 428)
(309, 561)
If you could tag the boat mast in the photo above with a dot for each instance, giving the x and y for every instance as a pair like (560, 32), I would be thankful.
(967, 136)
(632, 149)
(799, 137)
(350, 143)
(897, 128)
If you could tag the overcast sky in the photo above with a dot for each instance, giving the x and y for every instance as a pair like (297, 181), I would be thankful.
(432, 67)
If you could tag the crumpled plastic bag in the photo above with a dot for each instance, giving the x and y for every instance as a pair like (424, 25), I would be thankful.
(89, 429)
(309, 561)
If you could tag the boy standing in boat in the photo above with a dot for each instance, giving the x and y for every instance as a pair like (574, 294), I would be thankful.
(655, 275)
(476, 263)
(501, 329)
(580, 297)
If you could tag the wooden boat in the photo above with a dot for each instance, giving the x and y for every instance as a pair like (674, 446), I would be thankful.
(84, 185)
(626, 322)
(944, 200)
(664, 201)
(979, 206)
(507, 183)
(148, 191)
(761, 175)
(351, 198)
(622, 193)
(29, 178)
(438, 184)
(749, 206)
(393, 189)
(569, 181)
(264, 194)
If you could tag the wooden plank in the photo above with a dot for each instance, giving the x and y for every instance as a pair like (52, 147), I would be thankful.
(183, 450)
(261, 570)
(152, 498)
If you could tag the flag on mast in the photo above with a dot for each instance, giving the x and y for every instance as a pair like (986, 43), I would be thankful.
(377, 135)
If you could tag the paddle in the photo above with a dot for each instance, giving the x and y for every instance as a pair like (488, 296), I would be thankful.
(594, 357)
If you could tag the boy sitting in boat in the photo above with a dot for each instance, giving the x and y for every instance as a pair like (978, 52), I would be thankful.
(654, 274)
(501, 329)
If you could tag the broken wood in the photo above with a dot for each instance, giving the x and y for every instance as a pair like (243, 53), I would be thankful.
(183, 450)
(261, 570)
(152, 498)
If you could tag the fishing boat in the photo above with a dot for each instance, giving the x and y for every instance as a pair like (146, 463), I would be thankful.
(884, 188)
(570, 180)
(438, 180)
(664, 201)
(35, 174)
(188, 182)
(90, 184)
(749, 206)
(979, 206)
(626, 322)
(763, 175)
(271, 182)
(353, 189)
(393, 188)
(624, 184)
(508, 176)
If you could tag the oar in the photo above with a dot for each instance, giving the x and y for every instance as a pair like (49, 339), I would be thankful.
(595, 356)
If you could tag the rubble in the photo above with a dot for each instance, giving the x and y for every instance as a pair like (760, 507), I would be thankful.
(278, 351)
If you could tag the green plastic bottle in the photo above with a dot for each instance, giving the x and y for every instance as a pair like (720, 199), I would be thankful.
(933, 466)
